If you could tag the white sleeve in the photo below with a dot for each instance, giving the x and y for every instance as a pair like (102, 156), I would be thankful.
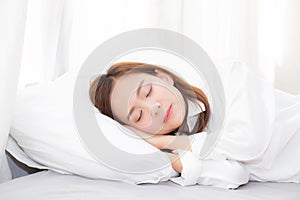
(219, 173)
(156, 177)
(197, 141)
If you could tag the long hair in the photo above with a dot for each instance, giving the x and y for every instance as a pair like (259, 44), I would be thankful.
(101, 89)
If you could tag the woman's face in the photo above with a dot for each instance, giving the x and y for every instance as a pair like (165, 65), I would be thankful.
(148, 103)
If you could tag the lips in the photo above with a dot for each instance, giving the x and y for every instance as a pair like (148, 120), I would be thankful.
(169, 113)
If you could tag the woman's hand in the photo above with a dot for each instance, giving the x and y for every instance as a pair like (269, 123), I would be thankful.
(170, 142)
(176, 163)
(164, 141)
(158, 141)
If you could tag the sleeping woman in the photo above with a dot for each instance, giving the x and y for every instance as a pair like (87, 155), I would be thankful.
(260, 136)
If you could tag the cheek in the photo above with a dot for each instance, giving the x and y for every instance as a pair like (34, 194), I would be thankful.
(145, 122)
(150, 125)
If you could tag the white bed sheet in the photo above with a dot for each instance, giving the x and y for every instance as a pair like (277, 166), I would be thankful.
(51, 185)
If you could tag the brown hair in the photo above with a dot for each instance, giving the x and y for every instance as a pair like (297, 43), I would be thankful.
(101, 88)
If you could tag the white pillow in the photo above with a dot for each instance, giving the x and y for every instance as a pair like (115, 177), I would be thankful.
(43, 126)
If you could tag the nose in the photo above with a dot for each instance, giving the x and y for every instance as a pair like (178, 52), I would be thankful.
(155, 108)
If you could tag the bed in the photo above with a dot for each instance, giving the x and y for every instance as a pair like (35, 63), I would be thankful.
(51, 185)
(40, 104)
(47, 184)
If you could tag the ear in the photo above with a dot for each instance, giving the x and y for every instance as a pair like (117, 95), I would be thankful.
(164, 76)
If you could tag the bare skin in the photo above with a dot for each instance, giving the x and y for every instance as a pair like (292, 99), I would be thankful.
(143, 101)
(151, 106)
(166, 141)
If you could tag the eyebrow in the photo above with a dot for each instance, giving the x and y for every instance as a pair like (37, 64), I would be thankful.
(137, 93)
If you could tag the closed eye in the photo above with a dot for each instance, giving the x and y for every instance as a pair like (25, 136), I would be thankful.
(149, 91)
(141, 114)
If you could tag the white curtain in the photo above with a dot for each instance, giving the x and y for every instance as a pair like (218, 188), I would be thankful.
(59, 34)
(262, 33)
(12, 24)
(46, 41)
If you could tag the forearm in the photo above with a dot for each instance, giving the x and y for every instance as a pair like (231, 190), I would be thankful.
(177, 142)
(175, 161)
